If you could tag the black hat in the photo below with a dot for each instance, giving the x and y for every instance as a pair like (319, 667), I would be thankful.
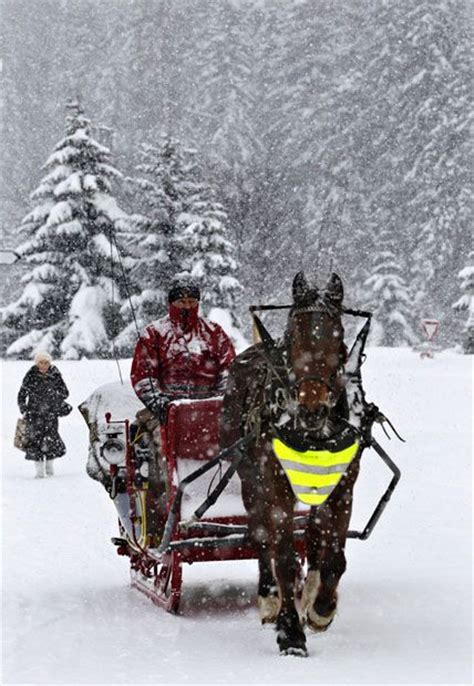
(183, 287)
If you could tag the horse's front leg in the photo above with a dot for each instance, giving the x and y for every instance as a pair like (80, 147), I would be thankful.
(326, 565)
(260, 533)
(268, 592)
(290, 633)
(326, 539)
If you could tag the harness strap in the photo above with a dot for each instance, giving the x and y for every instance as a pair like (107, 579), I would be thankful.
(253, 422)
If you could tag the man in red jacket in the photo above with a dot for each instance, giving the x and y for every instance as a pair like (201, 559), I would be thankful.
(181, 355)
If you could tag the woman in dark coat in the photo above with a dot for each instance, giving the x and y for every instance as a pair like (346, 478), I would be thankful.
(41, 400)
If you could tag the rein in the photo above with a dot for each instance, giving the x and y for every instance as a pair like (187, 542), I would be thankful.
(345, 310)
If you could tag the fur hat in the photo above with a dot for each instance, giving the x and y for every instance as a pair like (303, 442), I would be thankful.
(183, 286)
(42, 356)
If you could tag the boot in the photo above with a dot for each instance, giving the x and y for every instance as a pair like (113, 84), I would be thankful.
(49, 468)
(39, 467)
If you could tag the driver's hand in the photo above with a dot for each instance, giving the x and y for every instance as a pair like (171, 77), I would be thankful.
(158, 406)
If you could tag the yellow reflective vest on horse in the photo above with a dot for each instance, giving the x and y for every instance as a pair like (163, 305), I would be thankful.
(315, 473)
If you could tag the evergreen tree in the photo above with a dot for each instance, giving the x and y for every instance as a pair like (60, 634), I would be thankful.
(156, 253)
(69, 305)
(181, 228)
(466, 303)
(409, 134)
(310, 116)
(224, 88)
(211, 255)
(203, 229)
(388, 298)
(434, 132)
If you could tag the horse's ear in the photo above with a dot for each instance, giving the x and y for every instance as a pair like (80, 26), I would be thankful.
(300, 287)
(334, 291)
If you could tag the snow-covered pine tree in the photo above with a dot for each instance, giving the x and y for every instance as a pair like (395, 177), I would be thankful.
(466, 303)
(181, 227)
(154, 193)
(434, 130)
(406, 123)
(69, 305)
(223, 63)
(211, 255)
(207, 251)
(388, 298)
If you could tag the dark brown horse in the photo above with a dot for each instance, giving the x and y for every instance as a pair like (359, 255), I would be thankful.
(291, 394)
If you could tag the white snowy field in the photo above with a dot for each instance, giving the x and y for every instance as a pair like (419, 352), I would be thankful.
(70, 617)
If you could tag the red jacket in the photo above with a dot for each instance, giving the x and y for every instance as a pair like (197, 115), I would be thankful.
(181, 358)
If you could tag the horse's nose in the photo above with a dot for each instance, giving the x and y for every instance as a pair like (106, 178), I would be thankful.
(308, 418)
(313, 395)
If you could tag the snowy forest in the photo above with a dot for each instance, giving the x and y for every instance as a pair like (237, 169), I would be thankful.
(239, 140)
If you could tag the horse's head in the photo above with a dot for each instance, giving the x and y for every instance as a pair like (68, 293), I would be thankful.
(316, 346)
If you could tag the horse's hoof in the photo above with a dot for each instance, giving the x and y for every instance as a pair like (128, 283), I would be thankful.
(268, 607)
(319, 623)
(292, 645)
(298, 652)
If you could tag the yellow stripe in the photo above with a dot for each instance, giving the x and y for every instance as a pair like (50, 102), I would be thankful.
(316, 480)
(312, 498)
(316, 459)
(322, 458)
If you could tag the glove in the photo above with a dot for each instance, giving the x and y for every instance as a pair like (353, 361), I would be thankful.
(158, 406)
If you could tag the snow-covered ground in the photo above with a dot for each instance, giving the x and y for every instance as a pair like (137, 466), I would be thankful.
(70, 616)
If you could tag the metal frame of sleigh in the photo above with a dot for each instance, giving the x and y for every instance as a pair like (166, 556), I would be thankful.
(191, 531)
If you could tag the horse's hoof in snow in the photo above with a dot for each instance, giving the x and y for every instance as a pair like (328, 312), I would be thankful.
(268, 607)
(298, 652)
(292, 642)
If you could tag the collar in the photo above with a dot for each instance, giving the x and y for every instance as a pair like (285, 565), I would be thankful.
(186, 319)
(301, 440)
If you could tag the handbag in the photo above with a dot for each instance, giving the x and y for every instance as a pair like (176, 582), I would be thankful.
(19, 440)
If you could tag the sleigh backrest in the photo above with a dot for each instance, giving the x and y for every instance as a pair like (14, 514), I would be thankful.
(191, 437)
(192, 430)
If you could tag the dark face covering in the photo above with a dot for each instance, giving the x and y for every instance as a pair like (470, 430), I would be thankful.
(185, 317)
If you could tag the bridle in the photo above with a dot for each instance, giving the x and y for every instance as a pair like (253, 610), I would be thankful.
(322, 308)
(274, 354)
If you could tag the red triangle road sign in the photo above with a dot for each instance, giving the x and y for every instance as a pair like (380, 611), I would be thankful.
(430, 327)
